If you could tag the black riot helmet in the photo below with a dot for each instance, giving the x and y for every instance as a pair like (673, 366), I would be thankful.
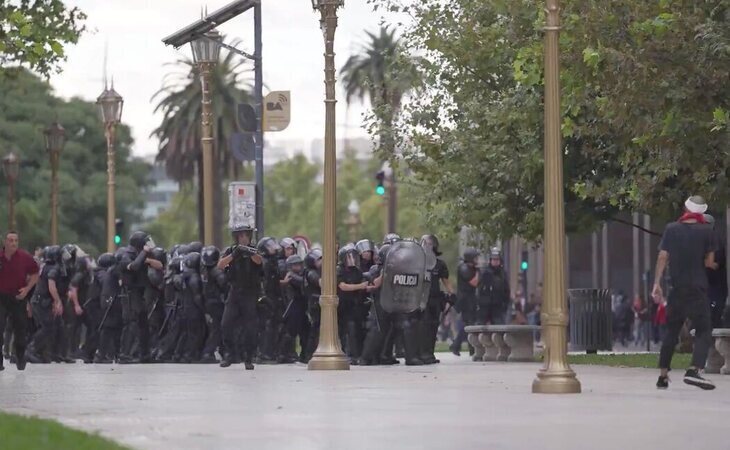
(106, 260)
(365, 245)
(470, 255)
(196, 246)
(382, 253)
(173, 249)
(158, 254)
(495, 253)
(52, 254)
(138, 239)
(314, 255)
(294, 260)
(192, 260)
(119, 254)
(290, 244)
(432, 242)
(268, 246)
(242, 230)
(68, 252)
(183, 250)
(176, 264)
(348, 256)
(210, 256)
(390, 238)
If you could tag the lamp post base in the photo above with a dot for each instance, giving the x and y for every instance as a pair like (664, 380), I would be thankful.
(328, 362)
(556, 382)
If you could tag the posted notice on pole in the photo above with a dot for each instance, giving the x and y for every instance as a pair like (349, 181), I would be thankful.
(242, 204)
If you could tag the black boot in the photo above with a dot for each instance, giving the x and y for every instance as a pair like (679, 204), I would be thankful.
(248, 365)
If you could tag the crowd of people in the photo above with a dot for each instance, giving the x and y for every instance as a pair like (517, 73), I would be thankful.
(251, 302)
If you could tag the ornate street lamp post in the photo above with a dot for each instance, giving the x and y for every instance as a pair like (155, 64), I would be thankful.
(206, 50)
(329, 355)
(556, 377)
(11, 168)
(110, 104)
(55, 140)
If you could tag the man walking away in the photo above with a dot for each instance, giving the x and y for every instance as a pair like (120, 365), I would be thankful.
(688, 247)
(18, 276)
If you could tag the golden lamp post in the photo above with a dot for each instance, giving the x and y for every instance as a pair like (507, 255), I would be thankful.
(11, 169)
(329, 355)
(556, 377)
(206, 50)
(55, 140)
(110, 105)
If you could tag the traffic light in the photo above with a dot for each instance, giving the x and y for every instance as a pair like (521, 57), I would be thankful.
(380, 187)
(118, 228)
(524, 264)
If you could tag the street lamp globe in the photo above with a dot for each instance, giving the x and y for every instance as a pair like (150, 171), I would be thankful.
(316, 4)
(110, 104)
(207, 47)
(55, 137)
(11, 166)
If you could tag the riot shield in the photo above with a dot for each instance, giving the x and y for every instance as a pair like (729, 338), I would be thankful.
(404, 278)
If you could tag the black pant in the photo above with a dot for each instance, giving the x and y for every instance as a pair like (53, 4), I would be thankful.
(213, 317)
(429, 328)
(16, 310)
(136, 329)
(240, 311)
(44, 340)
(91, 319)
(684, 303)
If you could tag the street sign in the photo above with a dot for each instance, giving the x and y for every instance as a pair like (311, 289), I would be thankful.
(242, 146)
(277, 110)
(242, 204)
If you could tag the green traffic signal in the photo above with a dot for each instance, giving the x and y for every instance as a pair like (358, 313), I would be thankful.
(380, 190)
(523, 266)
(117, 239)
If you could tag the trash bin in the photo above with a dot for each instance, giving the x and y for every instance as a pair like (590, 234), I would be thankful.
(591, 320)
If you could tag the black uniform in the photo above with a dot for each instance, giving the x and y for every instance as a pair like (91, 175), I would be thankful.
(312, 291)
(215, 287)
(295, 318)
(430, 319)
(493, 295)
(466, 301)
(379, 327)
(41, 345)
(88, 291)
(112, 323)
(171, 328)
(154, 304)
(244, 278)
(135, 335)
(192, 336)
(271, 308)
(352, 311)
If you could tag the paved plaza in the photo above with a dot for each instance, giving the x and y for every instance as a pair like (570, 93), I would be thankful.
(455, 405)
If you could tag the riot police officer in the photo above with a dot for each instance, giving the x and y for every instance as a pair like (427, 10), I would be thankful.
(134, 265)
(153, 296)
(192, 336)
(466, 299)
(91, 308)
(431, 318)
(271, 305)
(493, 292)
(47, 306)
(170, 330)
(82, 298)
(295, 313)
(366, 249)
(112, 320)
(379, 324)
(214, 288)
(312, 291)
(67, 324)
(243, 270)
(352, 311)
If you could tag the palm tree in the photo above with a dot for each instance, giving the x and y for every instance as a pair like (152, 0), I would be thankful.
(180, 131)
(384, 73)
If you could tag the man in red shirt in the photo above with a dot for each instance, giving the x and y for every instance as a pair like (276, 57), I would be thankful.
(18, 276)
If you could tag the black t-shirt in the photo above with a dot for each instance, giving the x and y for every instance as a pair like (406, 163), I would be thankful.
(349, 275)
(687, 245)
(81, 281)
(464, 276)
(439, 272)
(243, 273)
(109, 283)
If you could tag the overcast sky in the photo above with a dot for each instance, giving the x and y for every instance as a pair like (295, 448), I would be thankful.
(292, 57)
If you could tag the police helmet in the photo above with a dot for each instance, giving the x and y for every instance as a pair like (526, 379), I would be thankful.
(159, 254)
(210, 256)
(268, 246)
(382, 253)
(288, 242)
(495, 253)
(293, 260)
(390, 238)
(192, 260)
(430, 240)
(470, 255)
(106, 260)
(365, 245)
(52, 254)
(183, 250)
(348, 256)
(175, 263)
(138, 239)
(196, 246)
(312, 257)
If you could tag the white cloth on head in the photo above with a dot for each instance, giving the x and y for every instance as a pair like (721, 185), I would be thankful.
(694, 207)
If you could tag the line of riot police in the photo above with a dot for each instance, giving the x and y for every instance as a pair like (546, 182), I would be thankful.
(246, 304)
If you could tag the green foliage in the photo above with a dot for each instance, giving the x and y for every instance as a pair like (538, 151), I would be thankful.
(31, 433)
(34, 32)
(644, 95)
(27, 107)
